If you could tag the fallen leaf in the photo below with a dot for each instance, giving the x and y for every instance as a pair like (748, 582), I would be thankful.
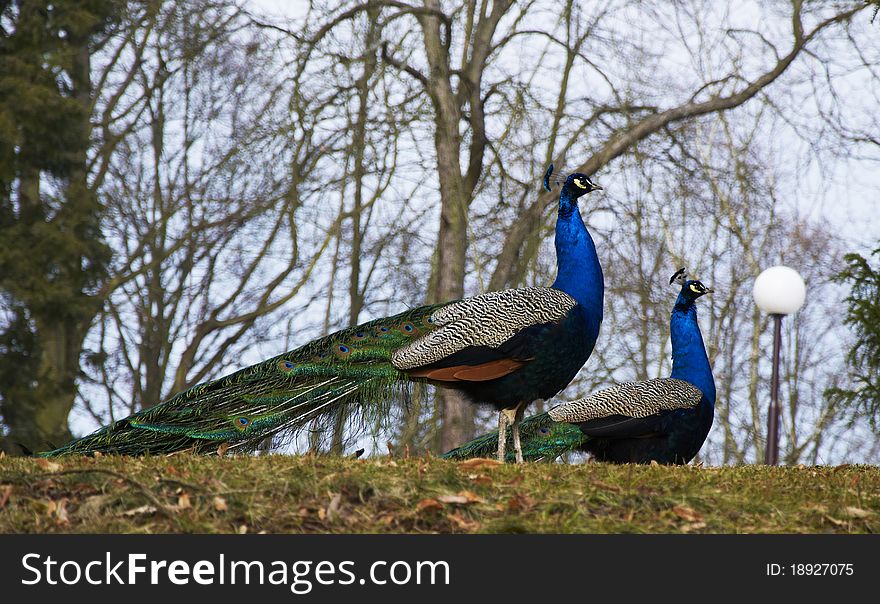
(221, 450)
(243, 529)
(387, 519)
(854, 512)
(333, 507)
(322, 514)
(516, 480)
(520, 502)
(5, 492)
(461, 499)
(61, 512)
(480, 478)
(462, 523)
(49, 466)
(477, 463)
(183, 502)
(428, 504)
(471, 497)
(97, 454)
(687, 513)
(144, 509)
(693, 526)
(835, 521)
(220, 504)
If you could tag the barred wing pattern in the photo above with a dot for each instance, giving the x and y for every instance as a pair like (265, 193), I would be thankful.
(631, 399)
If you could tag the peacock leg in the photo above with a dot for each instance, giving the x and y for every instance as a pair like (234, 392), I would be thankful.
(517, 445)
(502, 435)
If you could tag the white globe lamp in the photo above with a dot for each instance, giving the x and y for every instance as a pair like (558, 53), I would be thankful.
(778, 291)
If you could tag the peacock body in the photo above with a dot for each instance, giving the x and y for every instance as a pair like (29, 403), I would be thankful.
(504, 348)
(664, 420)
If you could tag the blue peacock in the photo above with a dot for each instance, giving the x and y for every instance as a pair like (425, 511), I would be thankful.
(664, 420)
(504, 348)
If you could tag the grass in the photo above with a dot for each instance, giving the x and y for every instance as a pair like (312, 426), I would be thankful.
(276, 494)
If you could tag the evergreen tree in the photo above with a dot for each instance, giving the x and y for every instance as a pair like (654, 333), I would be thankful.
(52, 257)
(863, 315)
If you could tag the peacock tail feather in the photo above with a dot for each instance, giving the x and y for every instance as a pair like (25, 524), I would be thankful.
(280, 395)
(542, 439)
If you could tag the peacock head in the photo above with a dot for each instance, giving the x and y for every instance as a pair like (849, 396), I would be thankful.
(691, 289)
(575, 184)
(578, 184)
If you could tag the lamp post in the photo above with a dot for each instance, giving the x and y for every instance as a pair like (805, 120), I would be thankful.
(778, 291)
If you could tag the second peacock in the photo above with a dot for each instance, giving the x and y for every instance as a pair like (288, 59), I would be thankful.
(664, 420)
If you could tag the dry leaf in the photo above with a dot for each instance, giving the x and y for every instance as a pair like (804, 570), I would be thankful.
(97, 454)
(221, 450)
(333, 507)
(520, 502)
(220, 504)
(854, 512)
(835, 521)
(61, 512)
(322, 514)
(693, 526)
(480, 478)
(687, 513)
(461, 499)
(49, 466)
(183, 502)
(472, 497)
(243, 529)
(5, 492)
(462, 523)
(387, 519)
(478, 462)
(144, 509)
(428, 504)
(516, 480)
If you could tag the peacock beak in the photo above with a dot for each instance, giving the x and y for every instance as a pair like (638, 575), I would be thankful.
(598, 187)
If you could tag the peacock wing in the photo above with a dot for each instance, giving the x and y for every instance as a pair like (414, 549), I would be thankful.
(628, 409)
(484, 337)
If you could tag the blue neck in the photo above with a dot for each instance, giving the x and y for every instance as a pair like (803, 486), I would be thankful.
(579, 273)
(689, 359)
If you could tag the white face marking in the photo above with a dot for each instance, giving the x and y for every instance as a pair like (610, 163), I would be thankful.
(696, 288)
(580, 183)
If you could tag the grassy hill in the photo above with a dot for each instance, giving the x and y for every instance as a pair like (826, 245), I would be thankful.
(310, 494)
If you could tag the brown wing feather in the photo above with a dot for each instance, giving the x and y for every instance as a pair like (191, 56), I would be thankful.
(470, 373)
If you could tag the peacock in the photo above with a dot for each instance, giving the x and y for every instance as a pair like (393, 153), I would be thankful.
(503, 348)
(664, 420)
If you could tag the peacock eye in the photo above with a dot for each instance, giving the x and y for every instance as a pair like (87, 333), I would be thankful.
(544, 430)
